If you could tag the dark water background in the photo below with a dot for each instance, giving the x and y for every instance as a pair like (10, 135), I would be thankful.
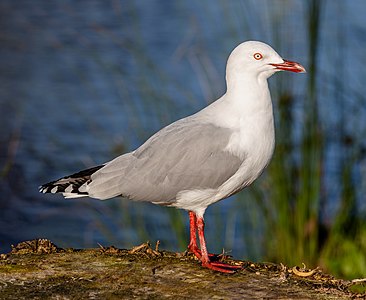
(84, 81)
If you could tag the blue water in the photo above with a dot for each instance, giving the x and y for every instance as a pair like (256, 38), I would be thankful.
(84, 81)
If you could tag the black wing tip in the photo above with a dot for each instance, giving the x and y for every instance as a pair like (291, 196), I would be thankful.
(76, 180)
(47, 188)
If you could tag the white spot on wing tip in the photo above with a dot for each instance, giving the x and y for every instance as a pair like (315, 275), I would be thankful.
(68, 189)
(83, 188)
(54, 190)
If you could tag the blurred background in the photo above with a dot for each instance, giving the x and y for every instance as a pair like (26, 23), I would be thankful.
(84, 81)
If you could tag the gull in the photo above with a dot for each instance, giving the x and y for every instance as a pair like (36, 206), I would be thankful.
(200, 159)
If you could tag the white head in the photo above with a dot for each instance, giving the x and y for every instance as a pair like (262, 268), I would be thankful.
(257, 59)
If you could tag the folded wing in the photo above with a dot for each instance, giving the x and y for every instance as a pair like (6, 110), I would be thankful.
(185, 155)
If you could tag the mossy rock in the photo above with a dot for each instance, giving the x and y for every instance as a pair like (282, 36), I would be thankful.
(38, 269)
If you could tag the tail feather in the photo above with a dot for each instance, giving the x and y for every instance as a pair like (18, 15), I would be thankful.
(70, 185)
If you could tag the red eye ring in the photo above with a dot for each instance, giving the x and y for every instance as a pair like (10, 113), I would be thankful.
(258, 56)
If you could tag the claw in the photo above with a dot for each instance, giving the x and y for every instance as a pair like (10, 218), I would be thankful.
(221, 267)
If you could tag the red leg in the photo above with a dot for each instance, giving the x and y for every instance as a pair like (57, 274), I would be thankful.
(197, 223)
(193, 238)
(217, 266)
(193, 246)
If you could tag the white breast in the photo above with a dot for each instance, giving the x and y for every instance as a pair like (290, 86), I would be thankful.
(254, 142)
(253, 137)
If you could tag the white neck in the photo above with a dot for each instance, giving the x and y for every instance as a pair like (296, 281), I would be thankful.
(248, 95)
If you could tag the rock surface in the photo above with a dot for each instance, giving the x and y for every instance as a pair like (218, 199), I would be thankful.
(40, 270)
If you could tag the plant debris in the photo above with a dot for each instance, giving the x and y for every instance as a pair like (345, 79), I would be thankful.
(35, 246)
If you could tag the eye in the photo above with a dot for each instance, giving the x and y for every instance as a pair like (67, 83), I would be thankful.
(258, 56)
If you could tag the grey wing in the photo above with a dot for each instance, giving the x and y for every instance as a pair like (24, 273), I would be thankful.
(183, 156)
